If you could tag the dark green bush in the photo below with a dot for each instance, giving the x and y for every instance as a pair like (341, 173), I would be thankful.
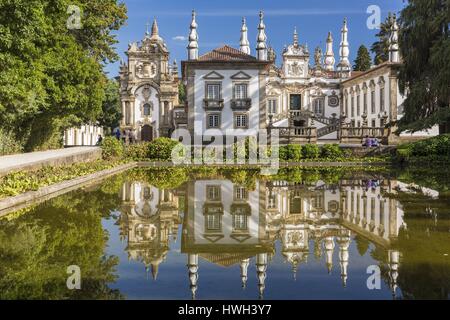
(331, 152)
(310, 151)
(138, 151)
(161, 149)
(112, 148)
(436, 148)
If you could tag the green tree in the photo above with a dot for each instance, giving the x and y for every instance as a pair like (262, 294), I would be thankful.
(111, 109)
(425, 74)
(181, 93)
(52, 75)
(362, 62)
(380, 48)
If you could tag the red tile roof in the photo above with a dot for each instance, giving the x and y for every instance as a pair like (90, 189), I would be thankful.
(226, 53)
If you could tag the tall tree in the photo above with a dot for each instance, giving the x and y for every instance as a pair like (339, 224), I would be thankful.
(380, 48)
(111, 109)
(52, 69)
(362, 62)
(425, 75)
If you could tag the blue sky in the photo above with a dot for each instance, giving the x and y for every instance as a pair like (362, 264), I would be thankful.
(220, 22)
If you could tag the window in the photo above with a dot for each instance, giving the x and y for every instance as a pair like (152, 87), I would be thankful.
(346, 105)
(241, 121)
(372, 101)
(213, 222)
(213, 120)
(353, 106)
(213, 91)
(240, 193)
(295, 101)
(365, 103)
(147, 109)
(319, 106)
(272, 201)
(272, 106)
(381, 99)
(213, 193)
(240, 222)
(373, 123)
(358, 104)
(240, 91)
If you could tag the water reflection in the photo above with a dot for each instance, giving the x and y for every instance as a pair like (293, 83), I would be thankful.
(194, 236)
(227, 224)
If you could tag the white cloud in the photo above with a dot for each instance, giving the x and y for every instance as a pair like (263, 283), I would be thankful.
(179, 38)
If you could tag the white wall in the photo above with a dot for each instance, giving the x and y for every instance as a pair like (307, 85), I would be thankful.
(227, 95)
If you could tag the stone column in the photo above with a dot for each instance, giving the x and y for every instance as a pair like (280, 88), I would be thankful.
(393, 87)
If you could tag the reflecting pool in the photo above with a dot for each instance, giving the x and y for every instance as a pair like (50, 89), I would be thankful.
(235, 234)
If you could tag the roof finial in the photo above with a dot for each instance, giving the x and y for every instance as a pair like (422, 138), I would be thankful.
(155, 31)
(329, 54)
(295, 37)
(193, 39)
(261, 47)
(244, 43)
(344, 63)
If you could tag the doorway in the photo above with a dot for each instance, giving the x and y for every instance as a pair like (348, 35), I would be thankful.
(147, 133)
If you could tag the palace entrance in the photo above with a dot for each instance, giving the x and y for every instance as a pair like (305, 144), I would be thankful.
(147, 133)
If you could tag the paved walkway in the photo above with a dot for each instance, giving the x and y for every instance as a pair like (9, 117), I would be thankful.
(26, 160)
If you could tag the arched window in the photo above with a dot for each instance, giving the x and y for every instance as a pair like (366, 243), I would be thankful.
(319, 106)
(147, 109)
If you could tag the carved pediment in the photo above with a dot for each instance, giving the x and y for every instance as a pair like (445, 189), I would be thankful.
(241, 75)
(213, 76)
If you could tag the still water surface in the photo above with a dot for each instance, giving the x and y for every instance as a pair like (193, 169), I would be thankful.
(235, 235)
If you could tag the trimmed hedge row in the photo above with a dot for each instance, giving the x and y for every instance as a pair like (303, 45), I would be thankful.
(295, 152)
(161, 150)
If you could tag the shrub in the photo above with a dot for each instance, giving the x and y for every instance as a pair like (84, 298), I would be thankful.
(161, 149)
(112, 148)
(310, 151)
(9, 143)
(434, 148)
(138, 151)
(331, 151)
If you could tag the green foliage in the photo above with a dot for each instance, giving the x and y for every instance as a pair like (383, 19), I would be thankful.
(380, 48)
(436, 148)
(291, 152)
(52, 77)
(137, 151)
(112, 148)
(425, 74)
(111, 108)
(19, 182)
(181, 93)
(331, 152)
(9, 143)
(310, 151)
(161, 149)
(37, 248)
(160, 177)
(362, 62)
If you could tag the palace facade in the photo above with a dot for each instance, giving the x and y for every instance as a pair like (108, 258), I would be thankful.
(232, 92)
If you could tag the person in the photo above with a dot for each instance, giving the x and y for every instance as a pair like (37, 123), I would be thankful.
(367, 142)
(117, 134)
(99, 139)
(375, 143)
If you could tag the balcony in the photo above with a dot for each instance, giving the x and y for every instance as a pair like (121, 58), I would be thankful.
(213, 104)
(241, 104)
(180, 117)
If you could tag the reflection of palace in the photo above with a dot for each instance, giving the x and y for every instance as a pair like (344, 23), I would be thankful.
(229, 224)
(149, 219)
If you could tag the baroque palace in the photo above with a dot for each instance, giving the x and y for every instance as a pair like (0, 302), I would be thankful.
(229, 224)
(230, 89)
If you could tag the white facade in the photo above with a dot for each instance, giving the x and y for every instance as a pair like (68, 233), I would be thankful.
(86, 135)
(227, 79)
